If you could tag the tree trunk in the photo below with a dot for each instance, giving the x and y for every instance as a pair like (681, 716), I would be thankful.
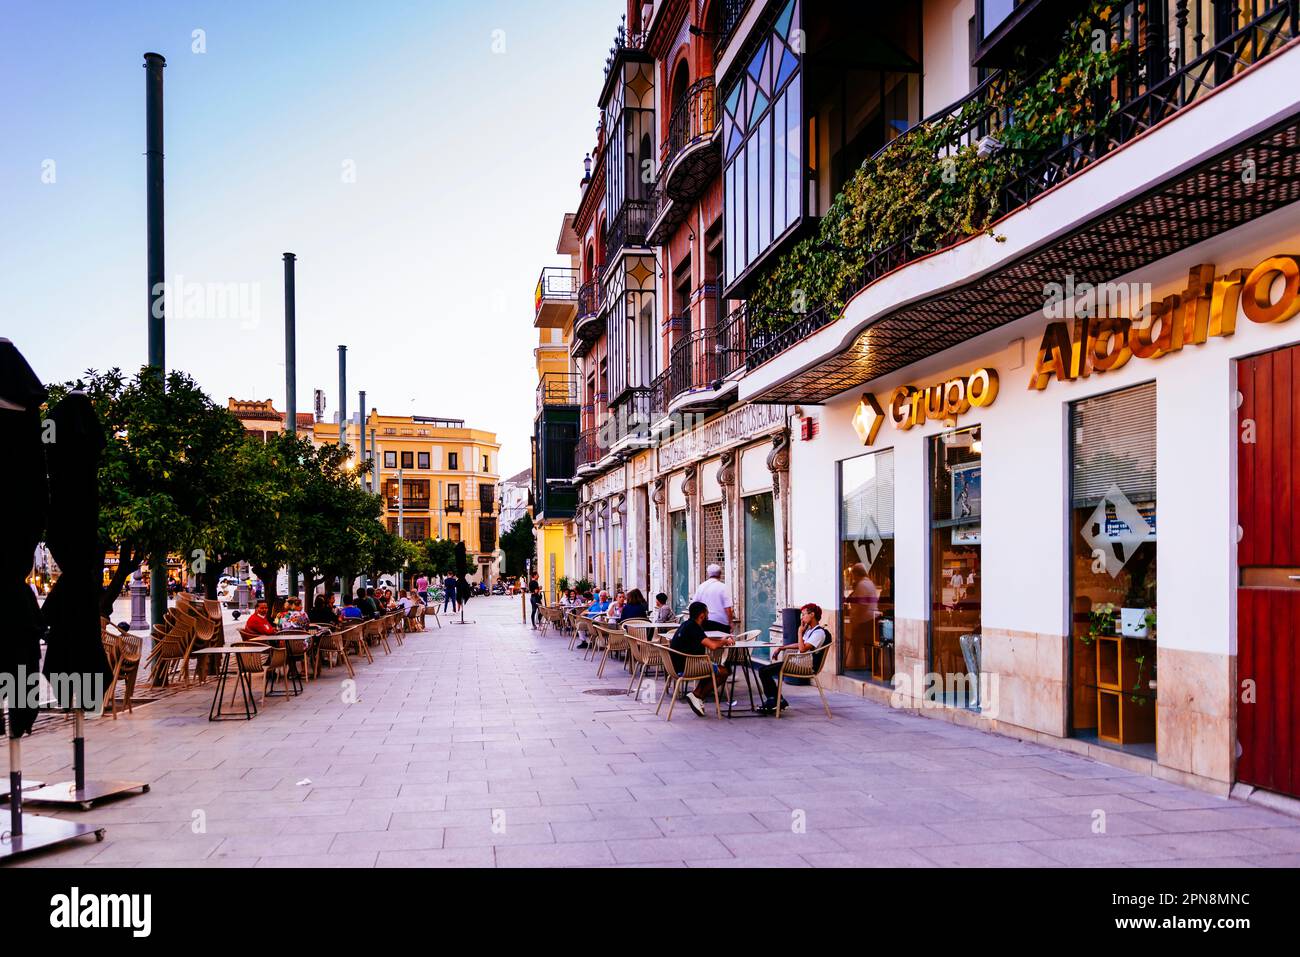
(126, 564)
(269, 584)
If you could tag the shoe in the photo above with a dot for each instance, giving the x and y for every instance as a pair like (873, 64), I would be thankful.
(583, 644)
(696, 704)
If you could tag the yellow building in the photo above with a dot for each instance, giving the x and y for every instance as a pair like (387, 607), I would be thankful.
(555, 425)
(438, 478)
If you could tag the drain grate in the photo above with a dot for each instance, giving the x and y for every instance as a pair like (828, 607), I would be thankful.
(606, 692)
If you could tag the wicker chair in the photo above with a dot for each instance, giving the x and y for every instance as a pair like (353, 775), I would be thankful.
(331, 643)
(376, 633)
(255, 664)
(123, 652)
(277, 662)
(644, 658)
(807, 664)
(694, 668)
(581, 630)
(413, 620)
(354, 636)
(169, 658)
(614, 640)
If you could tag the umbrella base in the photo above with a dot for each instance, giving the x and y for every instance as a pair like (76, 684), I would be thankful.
(27, 786)
(42, 832)
(67, 792)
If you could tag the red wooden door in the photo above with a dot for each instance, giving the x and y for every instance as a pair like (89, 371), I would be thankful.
(1268, 558)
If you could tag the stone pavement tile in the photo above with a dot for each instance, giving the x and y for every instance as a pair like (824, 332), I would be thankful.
(1087, 803)
(588, 796)
(1082, 824)
(408, 839)
(462, 817)
(1279, 839)
(607, 829)
(735, 803)
(992, 831)
(733, 822)
(1225, 862)
(692, 850)
(504, 799)
(986, 855)
(775, 843)
(506, 833)
(654, 807)
(1098, 850)
(774, 862)
(1184, 799)
(354, 820)
(875, 857)
(356, 859)
(1198, 844)
(1277, 860)
(274, 845)
(1225, 817)
(159, 851)
(569, 854)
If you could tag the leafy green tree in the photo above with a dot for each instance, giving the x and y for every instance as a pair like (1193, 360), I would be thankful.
(519, 545)
(157, 483)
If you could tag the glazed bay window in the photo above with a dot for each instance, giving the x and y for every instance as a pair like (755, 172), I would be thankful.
(762, 144)
(867, 566)
(1113, 568)
(760, 563)
(955, 573)
(681, 591)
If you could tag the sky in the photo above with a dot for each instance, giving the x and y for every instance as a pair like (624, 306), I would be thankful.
(417, 157)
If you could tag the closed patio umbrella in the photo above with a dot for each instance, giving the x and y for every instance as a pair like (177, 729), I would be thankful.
(73, 645)
(23, 506)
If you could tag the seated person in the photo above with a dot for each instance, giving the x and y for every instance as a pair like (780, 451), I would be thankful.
(811, 636)
(323, 611)
(663, 611)
(258, 623)
(690, 639)
(366, 603)
(569, 599)
(599, 606)
(293, 617)
(405, 602)
(634, 607)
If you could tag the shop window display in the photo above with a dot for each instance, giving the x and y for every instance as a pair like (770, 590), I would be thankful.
(867, 566)
(955, 573)
(1113, 568)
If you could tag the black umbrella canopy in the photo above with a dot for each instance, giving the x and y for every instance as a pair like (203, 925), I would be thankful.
(23, 507)
(462, 570)
(73, 645)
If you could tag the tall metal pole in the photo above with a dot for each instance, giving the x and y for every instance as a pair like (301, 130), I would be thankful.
(291, 373)
(401, 530)
(153, 113)
(374, 477)
(361, 427)
(343, 395)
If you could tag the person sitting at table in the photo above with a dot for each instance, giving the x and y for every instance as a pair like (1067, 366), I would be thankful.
(258, 623)
(323, 611)
(690, 639)
(634, 607)
(663, 611)
(293, 616)
(569, 599)
(811, 636)
(405, 602)
(366, 603)
(599, 606)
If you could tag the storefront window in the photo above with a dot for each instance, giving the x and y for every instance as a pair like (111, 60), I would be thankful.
(867, 566)
(760, 563)
(681, 563)
(955, 573)
(1113, 565)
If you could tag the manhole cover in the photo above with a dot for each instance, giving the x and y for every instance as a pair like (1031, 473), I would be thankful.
(605, 692)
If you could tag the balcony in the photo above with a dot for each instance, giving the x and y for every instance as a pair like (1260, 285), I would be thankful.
(453, 506)
(556, 298)
(629, 229)
(633, 415)
(588, 451)
(589, 323)
(689, 159)
(729, 18)
(408, 505)
(558, 389)
(1160, 70)
(555, 442)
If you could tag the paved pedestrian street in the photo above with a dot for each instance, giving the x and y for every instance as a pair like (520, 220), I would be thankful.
(484, 745)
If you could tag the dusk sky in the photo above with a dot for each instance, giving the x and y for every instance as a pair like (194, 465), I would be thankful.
(419, 174)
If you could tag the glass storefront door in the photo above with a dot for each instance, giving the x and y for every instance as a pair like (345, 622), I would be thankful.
(1113, 569)
(681, 593)
(760, 563)
(955, 573)
(867, 566)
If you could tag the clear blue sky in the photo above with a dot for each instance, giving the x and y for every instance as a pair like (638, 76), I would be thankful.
(465, 159)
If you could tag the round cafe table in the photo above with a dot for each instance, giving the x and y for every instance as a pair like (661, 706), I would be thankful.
(242, 675)
(740, 654)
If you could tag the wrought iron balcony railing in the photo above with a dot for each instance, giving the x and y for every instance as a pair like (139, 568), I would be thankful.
(692, 120)
(591, 296)
(1164, 70)
(557, 388)
(728, 19)
(587, 452)
(629, 227)
(408, 504)
(555, 284)
(624, 41)
(633, 415)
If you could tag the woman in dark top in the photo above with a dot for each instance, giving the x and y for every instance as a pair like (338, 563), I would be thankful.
(321, 612)
(635, 606)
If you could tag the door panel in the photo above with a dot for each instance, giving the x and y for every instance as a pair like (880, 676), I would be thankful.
(1268, 558)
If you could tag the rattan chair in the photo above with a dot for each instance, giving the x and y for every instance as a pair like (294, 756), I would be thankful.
(581, 629)
(170, 655)
(354, 636)
(694, 668)
(644, 658)
(807, 664)
(615, 640)
(376, 633)
(331, 643)
(255, 664)
(123, 653)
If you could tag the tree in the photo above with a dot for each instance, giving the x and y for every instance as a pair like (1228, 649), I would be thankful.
(437, 556)
(157, 480)
(519, 545)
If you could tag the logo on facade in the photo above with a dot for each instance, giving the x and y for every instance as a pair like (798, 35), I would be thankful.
(1115, 530)
(1205, 309)
(911, 406)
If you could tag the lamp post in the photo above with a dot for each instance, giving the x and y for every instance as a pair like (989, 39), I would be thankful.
(154, 64)
(291, 374)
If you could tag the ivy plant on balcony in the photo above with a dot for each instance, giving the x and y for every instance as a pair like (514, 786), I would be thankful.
(931, 186)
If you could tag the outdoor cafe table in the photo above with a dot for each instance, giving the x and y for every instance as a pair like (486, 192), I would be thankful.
(226, 652)
(741, 654)
(294, 684)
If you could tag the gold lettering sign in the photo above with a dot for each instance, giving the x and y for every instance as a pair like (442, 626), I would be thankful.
(1206, 309)
(910, 406)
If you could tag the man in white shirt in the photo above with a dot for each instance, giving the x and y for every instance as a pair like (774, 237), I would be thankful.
(718, 597)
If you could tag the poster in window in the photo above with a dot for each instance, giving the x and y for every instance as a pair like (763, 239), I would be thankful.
(966, 503)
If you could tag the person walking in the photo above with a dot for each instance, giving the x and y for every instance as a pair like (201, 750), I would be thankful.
(535, 599)
(422, 588)
(450, 594)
